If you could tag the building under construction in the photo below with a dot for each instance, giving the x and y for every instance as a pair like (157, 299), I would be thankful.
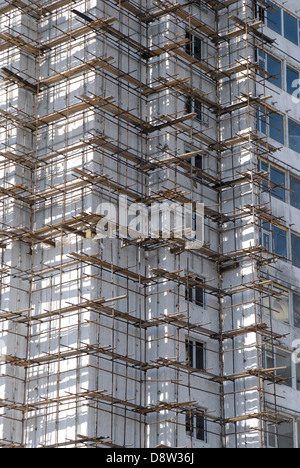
(146, 341)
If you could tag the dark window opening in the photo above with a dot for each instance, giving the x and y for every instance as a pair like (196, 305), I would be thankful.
(259, 11)
(195, 425)
(195, 293)
(194, 46)
(193, 106)
(194, 354)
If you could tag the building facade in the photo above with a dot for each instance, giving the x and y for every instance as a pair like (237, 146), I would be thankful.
(128, 318)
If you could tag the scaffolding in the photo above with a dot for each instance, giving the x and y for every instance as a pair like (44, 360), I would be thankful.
(83, 85)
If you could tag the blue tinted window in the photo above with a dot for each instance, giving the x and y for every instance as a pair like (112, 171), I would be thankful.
(291, 80)
(274, 18)
(274, 69)
(278, 178)
(274, 239)
(263, 166)
(280, 243)
(290, 27)
(295, 192)
(276, 127)
(294, 135)
(296, 250)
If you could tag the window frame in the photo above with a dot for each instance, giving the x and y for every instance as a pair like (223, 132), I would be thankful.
(276, 434)
(195, 106)
(259, 11)
(289, 136)
(264, 60)
(191, 425)
(192, 161)
(283, 28)
(293, 308)
(270, 12)
(292, 192)
(276, 191)
(270, 307)
(289, 86)
(193, 359)
(191, 292)
(273, 356)
(287, 29)
(270, 231)
(294, 235)
(194, 47)
(264, 125)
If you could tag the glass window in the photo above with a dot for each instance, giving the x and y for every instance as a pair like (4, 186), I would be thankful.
(277, 305)
(271, 65)
(194, 354)
(274, 68)
(276, 127)
(295, 192)
(259, 11)
(199, 351)
(281, 435)
(296, 250)
(296, 310)
(284, 360)
(278, 177)
(271, 123)
(298, 376)
(195, 425)
(198, 162)
(294, 135)
(285, 435)
(274, 239)
(261, 121)
(290, 27)
(281, 308)
(194, 106)
(200, 427)
(292, 77)
(280, 241)
(194, 46)
(271, 430)
(274, 20)
(195, 294)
